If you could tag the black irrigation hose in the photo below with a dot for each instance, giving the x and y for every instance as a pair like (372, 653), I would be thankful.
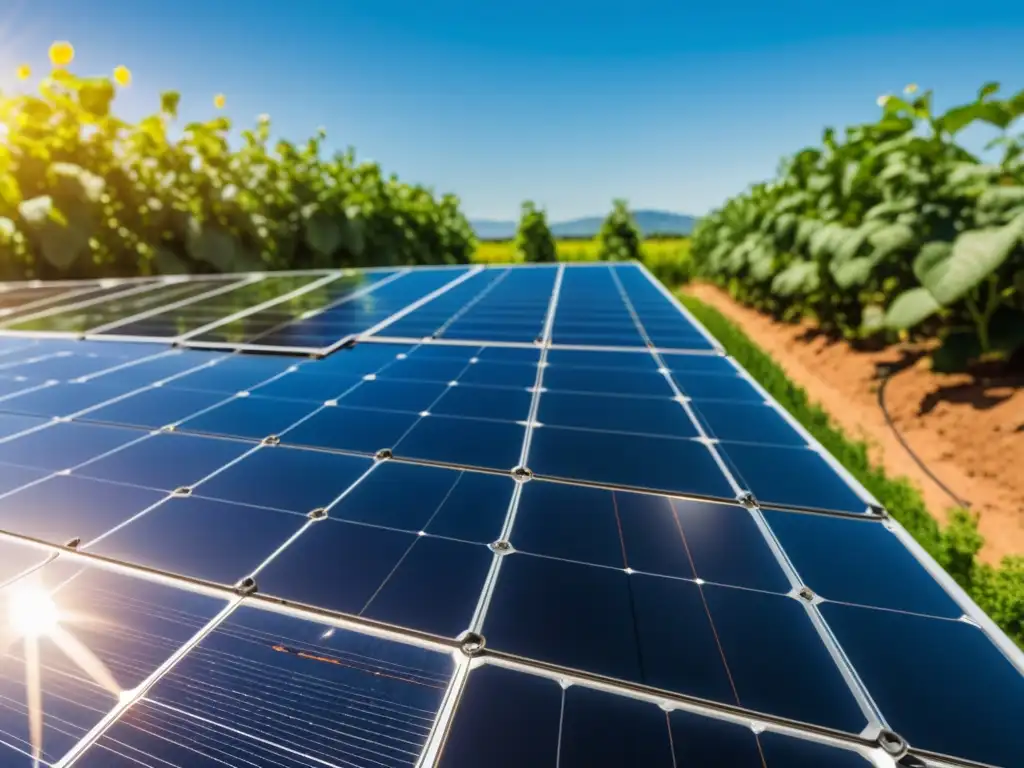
(887, 374)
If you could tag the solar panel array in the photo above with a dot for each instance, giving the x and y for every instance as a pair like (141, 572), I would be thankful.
(506, 517)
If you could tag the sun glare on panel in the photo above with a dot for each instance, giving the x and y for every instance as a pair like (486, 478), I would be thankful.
(31, 611)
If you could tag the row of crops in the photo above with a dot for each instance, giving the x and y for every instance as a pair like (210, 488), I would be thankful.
(84, 193)
(888, 229)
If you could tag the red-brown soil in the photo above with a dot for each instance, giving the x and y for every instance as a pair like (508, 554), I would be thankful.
(969, 431)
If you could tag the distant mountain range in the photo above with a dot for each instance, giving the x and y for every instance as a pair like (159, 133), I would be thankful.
(662, 222)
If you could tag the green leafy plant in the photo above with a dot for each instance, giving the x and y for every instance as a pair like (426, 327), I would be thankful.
(891, 227)
(533, 237)
(84, 193)
(619, 238)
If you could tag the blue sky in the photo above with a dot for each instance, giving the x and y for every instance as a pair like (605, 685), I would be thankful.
(673, 105)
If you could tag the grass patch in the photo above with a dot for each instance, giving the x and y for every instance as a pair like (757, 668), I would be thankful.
(999, 591)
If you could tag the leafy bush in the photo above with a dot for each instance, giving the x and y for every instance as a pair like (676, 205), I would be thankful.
(533, 238)
(619, 238)
(892, 226)
(84, 193)
(997, 591)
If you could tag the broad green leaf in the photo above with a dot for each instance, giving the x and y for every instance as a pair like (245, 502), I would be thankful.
(872, 319)
(975, 256)
(910, 308)
(930, 255)
(805, 229)
(988, 89)
(74, 182)
(800, 277)
(889, 240)
(61, 240)
(210, 245)
(1001, 198)
(853, 272)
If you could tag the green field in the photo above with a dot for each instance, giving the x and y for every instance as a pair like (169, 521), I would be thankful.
(667, 257)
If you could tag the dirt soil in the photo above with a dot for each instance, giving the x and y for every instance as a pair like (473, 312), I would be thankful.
(968, 431)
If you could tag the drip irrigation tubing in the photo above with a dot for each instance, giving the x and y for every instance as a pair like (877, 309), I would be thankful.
(887, 374)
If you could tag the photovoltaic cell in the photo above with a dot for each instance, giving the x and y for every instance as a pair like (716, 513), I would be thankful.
(190, 317)
(84, 319)
(368, 497)
(240, 694)
(255, 328)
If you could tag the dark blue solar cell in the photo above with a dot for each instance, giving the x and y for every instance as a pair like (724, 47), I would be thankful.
(856, 561)
(509, 355)
(374, 703)
(201, 538)
(505, 719)
(160, 367)
(360, 359)
(252, 417)
(346, 567)
(761, 635)
(64, 399)
(14, 423)
(17, 557)
(466, 442)
(412, 396)
(638, 361)
(571, 522)
(678, 648)
(650, 415)
(462, 505)
(791, 477)
(747, 423)
(429, 369)
(500, 375)
(579, 616)
(315, 387)
(9, 386)
(235, 374)
(65, 445)
(719, 543)
(709, 386)
(63, 367)
(703, 742)
(166, 460)
(600, 728)
(484, 403)
(698, 363)
(435, 588)
(649, 462)
(786, 752)
(921, 672)
(352, 429)
(291, 479)
(443, 351)
(666, 339)
(65, 507)
(612, 381)
(155, 408)
(13, 476)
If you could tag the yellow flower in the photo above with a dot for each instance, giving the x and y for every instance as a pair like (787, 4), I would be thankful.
(912, 88)
(219, 100)
(62, 53)
(24, 72)
(123, 76)
(883, 99)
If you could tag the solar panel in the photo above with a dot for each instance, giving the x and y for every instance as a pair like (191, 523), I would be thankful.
(458, 517)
